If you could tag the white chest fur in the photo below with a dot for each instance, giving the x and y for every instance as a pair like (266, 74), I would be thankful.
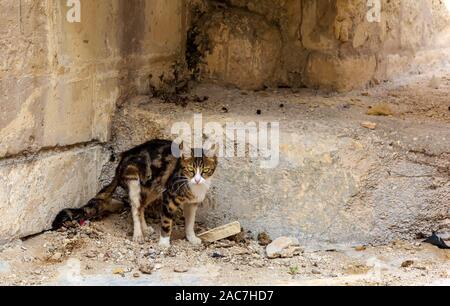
(199, 191)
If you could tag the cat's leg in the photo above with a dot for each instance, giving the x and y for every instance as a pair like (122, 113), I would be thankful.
(146, 229)
(134, 190)
(169, 209)
(190, 211)
(149, 195)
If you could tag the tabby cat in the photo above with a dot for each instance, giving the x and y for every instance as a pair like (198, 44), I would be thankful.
(150, 172)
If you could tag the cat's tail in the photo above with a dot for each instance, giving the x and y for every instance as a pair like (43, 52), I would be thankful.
(102, 204)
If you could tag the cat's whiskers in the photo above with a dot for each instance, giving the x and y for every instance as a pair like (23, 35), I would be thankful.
(181, 186)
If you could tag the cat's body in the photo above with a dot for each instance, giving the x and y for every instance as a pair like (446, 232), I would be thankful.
(150, 172)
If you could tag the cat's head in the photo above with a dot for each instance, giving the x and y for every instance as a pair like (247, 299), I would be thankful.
(199, 166)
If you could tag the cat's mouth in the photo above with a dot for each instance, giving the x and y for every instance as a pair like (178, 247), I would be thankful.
(196, 182)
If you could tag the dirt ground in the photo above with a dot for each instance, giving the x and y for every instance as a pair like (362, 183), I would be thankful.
(102, 253)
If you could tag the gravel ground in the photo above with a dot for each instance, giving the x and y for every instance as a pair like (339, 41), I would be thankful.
(102, 253)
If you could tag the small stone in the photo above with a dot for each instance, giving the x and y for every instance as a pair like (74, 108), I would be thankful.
(56, 257)
(91, 254)
(180, 270)
(119, 271)
(316, 272)
(146, 267)
(136, 275)
(264, 239)
(360, 248)
(407, 264)
(217, 255)
(369, 125)
(283, 247)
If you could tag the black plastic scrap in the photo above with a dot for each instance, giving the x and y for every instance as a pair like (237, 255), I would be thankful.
(437, 241)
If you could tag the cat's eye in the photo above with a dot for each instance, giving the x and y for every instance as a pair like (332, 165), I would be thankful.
(206, 170)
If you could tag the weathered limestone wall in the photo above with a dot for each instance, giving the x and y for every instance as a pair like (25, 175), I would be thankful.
(59, 86)
(319, 43)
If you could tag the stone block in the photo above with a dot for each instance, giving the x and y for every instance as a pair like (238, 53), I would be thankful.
(33, 192)
(246, 50)
(341, 74)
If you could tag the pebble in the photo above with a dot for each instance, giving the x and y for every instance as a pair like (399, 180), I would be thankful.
(369, 125)
(146, 267)
(91, 254)
(119, 271)
(407, 264)
(264, 239)
(180, 270)
(284, 247)
(217, 255)
(56, 257)
(360, 248)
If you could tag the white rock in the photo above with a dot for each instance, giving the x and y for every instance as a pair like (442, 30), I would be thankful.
(283, 247)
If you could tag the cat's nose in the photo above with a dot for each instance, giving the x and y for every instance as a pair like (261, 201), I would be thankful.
(198, 180)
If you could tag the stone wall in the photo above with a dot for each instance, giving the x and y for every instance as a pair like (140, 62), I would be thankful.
(319, 43)
(60, 83)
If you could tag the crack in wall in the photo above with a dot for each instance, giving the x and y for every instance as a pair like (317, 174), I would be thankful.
(30, 156)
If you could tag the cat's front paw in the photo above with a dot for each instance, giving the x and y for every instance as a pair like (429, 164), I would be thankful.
(138, 239)
(194, 240)
(164, 242)
(148, 231)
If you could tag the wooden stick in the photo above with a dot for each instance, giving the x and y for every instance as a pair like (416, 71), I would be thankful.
(221, 232)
